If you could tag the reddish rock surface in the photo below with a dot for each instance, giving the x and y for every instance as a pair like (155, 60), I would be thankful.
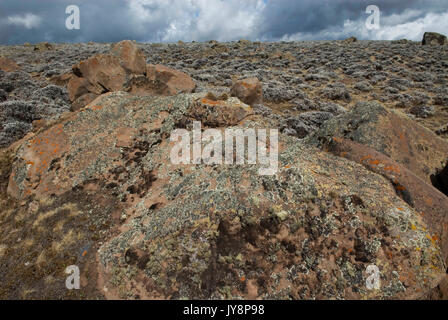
(131, 56)
(124, 69)
(8, 65)
(169, 81)
(104, 70)
(108, 167)
(249, 91)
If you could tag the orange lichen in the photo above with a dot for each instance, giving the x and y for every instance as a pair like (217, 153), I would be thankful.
(208, 101)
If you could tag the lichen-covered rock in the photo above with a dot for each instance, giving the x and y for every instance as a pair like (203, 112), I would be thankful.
(391, 133)
(216, 232)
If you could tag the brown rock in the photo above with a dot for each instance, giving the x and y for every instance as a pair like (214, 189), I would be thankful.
(83, 100)
(248, 91)
(61, 79)
(43, 46)
(392, 133)
(131, 56)
(106, 163)
(8, 65)
(350, 40)
(76, 87)
(167, 81)
(423, 197)
(219, 113)
(103, 70)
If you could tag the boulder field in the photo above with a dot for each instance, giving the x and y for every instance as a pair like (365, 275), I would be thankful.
(88, 179)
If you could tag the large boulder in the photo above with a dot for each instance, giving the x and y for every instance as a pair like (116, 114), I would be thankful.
(250, 91)
(389, 143)
(433, 38)
(205, 231)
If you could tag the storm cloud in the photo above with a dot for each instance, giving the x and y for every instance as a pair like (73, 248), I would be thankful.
(224, 20)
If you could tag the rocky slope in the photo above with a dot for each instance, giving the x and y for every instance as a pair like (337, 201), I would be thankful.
(86, 176)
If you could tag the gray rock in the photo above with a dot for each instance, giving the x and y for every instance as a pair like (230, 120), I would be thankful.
(434, 38)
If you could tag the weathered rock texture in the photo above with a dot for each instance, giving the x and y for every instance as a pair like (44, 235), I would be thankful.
(362, 143)
(186, 231)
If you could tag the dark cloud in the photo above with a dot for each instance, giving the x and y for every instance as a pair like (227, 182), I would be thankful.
(171, 20)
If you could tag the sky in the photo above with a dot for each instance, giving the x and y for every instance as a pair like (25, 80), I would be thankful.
(223, 20)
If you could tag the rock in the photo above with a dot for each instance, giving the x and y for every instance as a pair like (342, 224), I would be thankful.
(77, 87)
(391, 133)
(391, 144)
(8, 65)
(43, 46)
(417, 193)
(124, 69)
(433, 38)
(219, 113)
(350, 40)
(327, 214)
(168, 81)
(131, 56)
(104, 71)
(82, 101)
(249, 91)
(61, 79)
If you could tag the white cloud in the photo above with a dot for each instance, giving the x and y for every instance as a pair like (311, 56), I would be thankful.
(397, 26)
(413, 30)
(28, 20)
(197, 19)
